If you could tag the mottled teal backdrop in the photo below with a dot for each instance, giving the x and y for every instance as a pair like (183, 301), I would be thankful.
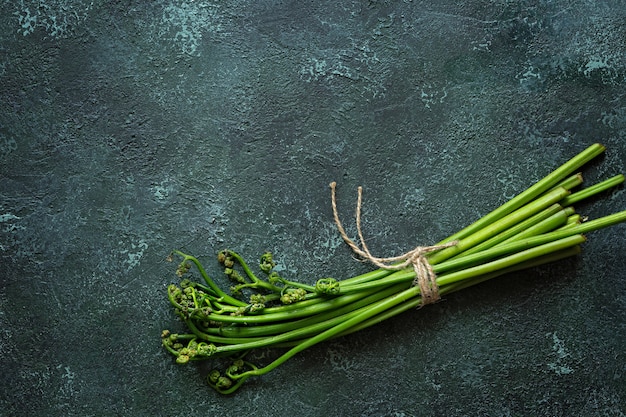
(131, 128)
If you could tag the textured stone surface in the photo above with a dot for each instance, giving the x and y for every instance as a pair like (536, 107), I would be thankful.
(130, 128)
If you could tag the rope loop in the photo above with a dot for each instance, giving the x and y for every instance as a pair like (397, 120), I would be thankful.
(425, 276)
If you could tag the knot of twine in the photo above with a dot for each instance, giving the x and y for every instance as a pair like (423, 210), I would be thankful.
(425, 276)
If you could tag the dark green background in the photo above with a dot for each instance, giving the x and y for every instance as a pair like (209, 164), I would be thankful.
(130, 128)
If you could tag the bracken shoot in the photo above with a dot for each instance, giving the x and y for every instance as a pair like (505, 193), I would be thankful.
(536, 227)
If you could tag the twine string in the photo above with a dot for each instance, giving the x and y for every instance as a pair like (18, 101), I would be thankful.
(425, 277)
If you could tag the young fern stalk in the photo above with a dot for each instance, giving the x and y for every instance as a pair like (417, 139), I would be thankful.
(536, 227)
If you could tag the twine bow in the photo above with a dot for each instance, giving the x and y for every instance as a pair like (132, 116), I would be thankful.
(425, 276)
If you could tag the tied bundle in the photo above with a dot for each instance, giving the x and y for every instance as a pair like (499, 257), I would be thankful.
(538, 226)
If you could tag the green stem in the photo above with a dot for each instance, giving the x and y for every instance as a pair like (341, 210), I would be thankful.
(571, 182)
(592, 190)
(360, 316)
(245, 268)
(500, 225)
(457, 286)
(217, 290)
(529, 227)
(460, 267)
(511, 260)
(284, 313)
(314, 325)
(533, 192)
